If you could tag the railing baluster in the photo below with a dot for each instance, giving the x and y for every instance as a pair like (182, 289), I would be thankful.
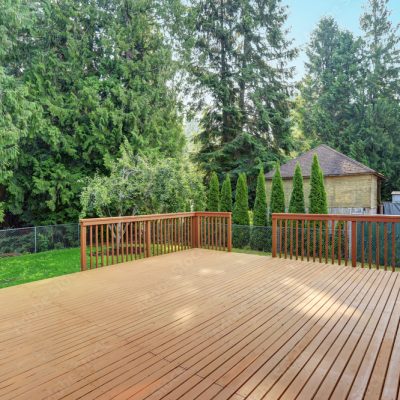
(378, 243)
(302, 240)
(91, 246)
(333, 242)
(314, 240)
(362, 243)
(393, 246)
(385, 245)
(346, 243)
(286, 235)
(339, 227)
(370, 245)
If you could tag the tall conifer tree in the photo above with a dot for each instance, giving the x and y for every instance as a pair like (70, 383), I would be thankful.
(297, 204)
(213, 193)
(240, 59)
(318, 200)
(226, 195)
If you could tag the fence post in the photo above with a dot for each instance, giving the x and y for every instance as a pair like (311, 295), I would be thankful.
(148, 239)
(354, 243)
(230, 232)
(195, 231)
(83, 246)
(274, 234)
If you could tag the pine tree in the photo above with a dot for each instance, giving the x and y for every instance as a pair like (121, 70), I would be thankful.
(277, 203)
(241, 59)
(328, 111)
(226, 195)
(259, 233)
(240, 215)
(213, 193)
(318, 200)
(297, 204)
(379, 131)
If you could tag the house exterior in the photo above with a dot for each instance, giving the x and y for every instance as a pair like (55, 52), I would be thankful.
(351, 187)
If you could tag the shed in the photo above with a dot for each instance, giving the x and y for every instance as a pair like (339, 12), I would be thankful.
(351, 187)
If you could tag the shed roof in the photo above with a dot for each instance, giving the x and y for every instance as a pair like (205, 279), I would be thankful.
(332, 162)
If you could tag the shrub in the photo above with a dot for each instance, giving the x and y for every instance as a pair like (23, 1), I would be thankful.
(260, 220)
(297, 205)
(226, 195)
(318, 201)
(213, 193)
(240, 215)
(277, 204)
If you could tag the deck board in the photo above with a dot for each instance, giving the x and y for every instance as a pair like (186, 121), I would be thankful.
(203, 324)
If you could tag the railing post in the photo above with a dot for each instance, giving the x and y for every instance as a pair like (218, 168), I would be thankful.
(148, 239)
(83, 246)
(354, 243)
(195, 231)
(274, 235)
(230, 232)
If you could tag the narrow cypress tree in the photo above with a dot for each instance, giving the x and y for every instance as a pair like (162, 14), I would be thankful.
(297, 205)
(318, 200)
(226, 195)
(240, 215)
(260, 203)
(277, 204)
(213, 193)
(260, 218)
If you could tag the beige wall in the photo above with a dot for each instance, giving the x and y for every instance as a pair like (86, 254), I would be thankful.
(355, 192)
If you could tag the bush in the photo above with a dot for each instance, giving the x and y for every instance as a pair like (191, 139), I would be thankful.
(297, 205)
(213, 194)
(260, 219)
(240, 215)
(318, 201)
(226, 195)
(277, 204)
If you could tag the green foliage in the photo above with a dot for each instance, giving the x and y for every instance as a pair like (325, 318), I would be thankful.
(297, 204)
(213, 193)
(96, 74)
(240, 214)
(260, 217)
(240, 58)
(259, 234)
(226, 195)
(318, 201)
(277, 203)
(349, 96)
(144, 185)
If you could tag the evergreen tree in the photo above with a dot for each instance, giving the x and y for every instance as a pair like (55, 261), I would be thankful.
(213, 193)
(297, 204)
(240, 60)
(318, 200)
(97, 73)
(379, 132)
(259, 233)
(240, 215)
(226, 195)
(277, 202)
(328, 110)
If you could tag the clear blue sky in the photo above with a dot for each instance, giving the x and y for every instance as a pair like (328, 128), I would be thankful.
(305, 14)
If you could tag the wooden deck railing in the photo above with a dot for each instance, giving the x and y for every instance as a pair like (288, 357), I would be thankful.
(365, 240)
(107, 241)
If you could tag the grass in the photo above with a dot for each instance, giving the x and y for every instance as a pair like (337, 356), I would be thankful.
(33, 267)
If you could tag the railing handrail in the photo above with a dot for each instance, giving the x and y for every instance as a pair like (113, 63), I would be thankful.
(150, 217)
(295, 232)
(147, 233)
(336, 217)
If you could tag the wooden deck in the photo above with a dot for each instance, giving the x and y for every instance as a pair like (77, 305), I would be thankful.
(203, 324)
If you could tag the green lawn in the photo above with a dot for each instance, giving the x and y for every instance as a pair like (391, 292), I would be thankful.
(33, 267)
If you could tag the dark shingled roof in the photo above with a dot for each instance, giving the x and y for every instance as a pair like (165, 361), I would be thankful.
(332, 163)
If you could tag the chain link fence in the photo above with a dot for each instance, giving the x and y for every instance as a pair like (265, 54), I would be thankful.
(36, 239)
